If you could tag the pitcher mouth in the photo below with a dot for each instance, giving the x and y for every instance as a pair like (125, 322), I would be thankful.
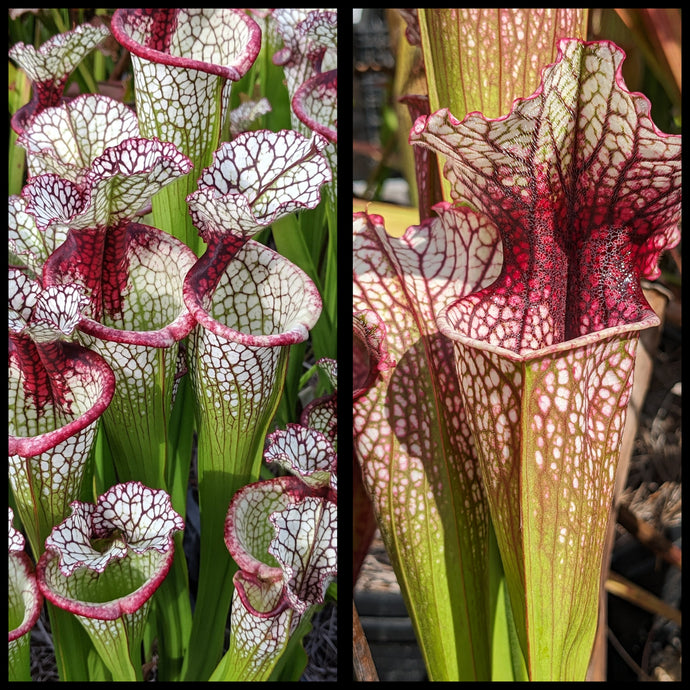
(294, 330)
(164, 337)
(31, 446)
(233, 72)
(106, 610)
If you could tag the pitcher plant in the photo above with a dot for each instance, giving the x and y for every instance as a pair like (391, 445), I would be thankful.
(24, 604)
(184, 62)
(282, 534)
(518, 308)
(251, 304)
(58, 391)
(104, 562)
(127, 336)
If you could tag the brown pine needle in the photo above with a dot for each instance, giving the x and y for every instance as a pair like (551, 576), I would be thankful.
(620, 587)
(362, 660)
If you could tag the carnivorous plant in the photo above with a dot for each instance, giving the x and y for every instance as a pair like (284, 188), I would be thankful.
(141, 358)
(512, 317)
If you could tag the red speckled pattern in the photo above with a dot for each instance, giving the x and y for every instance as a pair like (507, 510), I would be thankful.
(584, 190)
